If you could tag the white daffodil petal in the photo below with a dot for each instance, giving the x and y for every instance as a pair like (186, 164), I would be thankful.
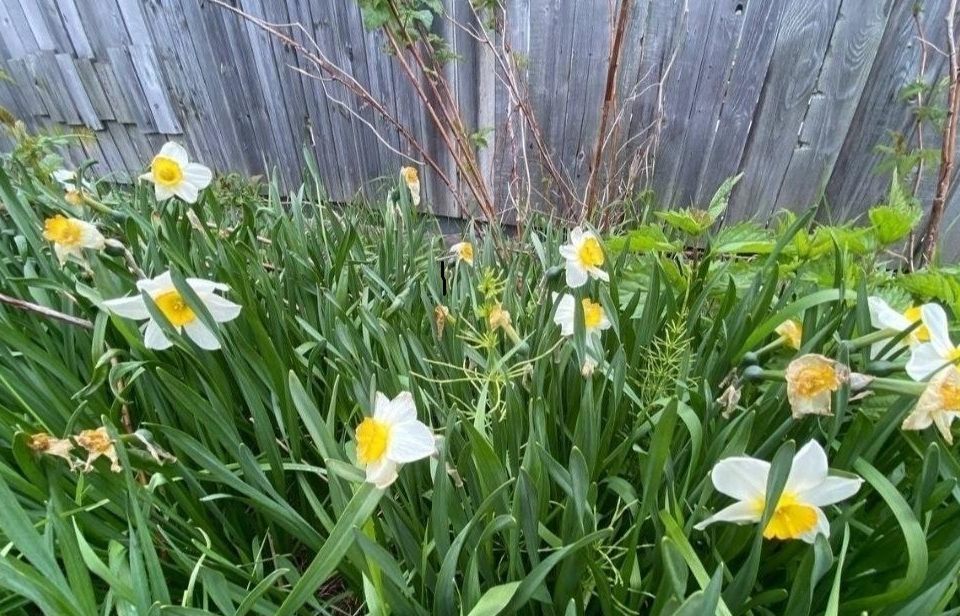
(741, 512)
(809, 468)
(576, 275)
(221, 309)
(162, 193)
(742, 477)
(90, 236)
(201, 334)
(401, 409)
(822, 527)
(565, 315)
(198, 175)
(943, 421)
(156, 284)
(154, 337)
(128, 307)
(925, 360)
(882, 316)
(202, 285)
(382, 473)
(410, 441)
(187, 192)
(598, 273)
(175, 151)
(829, 491)
(935, 318)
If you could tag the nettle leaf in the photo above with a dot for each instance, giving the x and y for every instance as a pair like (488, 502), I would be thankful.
(942, 285)
(744, 238)
(718, 204)
(691, 221)
(646, 238)
(375, 15)
(895, 220)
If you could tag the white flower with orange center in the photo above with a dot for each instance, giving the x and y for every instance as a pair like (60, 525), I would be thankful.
(173, 174)
(98, 443)
(811, 381)
(791, 332)
(930, 357)
(463, 251)
(594, 316)
(176, 310)
(70, 236)
(392, 436)
(883, 317)
(798, 513)
(939, 404)
(584, 256)
(409, 176)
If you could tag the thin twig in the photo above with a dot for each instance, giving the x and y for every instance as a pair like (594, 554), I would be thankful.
(49, 313)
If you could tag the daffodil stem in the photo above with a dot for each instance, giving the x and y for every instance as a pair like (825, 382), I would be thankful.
(897, 386)
(771, 346)
(858, 343)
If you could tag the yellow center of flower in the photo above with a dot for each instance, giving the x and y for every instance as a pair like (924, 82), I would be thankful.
(166, 171)
(372, 439)
(62, 230)
(73, 197)
(954, 355)
(790, 520)
(816, 379)
(173, 306)
(912, 314)
(590, 254)
(39, 441)
(950, 396)
(410, 175)
(465, 252)
(592, 314)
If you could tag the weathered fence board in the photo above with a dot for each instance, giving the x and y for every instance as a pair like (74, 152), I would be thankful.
(796, 94)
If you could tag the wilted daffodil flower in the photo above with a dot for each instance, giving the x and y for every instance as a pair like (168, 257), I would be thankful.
(392, 436)
(939, 404)
(70, 236)
(927, 358)
(409, 176)
(46, 444)
(594, 317)
(791, 332)
(463, 251)
(98, 443)
(811, 381)
(798, 513)
(883, 317)
(173, 174)
(584, 257)
(174, 307)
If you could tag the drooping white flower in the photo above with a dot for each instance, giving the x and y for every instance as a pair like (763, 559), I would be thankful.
(70, 236)
(811, 381)
(174, 307)
(594, 316)
(928, 358)
(392, 436)
(98, 443)
(883, 317)
(584, 256)
(798, 513)
(46, 444)
(792, 333)
(173, 174)
(409, 176)
(939, 404)
(463, 251)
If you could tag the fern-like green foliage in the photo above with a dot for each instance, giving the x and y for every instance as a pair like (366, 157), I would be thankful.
(893, 221)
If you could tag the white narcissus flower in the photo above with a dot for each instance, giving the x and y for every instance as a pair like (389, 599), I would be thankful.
(173, 174)
(792, 333)
(463, 251)
(594, 317)
(584, 256)
(174, 307)
(927, 358)
(70, 236)
(939, 404)
(392, 436)
(811, 381)
(883, 317)
(798, 513)
(410, 177)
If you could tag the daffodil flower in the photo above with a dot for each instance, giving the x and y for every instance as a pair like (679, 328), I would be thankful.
(173, 174)
(463, 251)
(883, 317)
(70, 236)
(791, 332)
(930, 357)
(584, 257)
(409, 176)
(173, 306)
(594, 317)
(44, 443)
(939, 404)
(392, 436)
(98, 443)
(798, 513)
(811, 381)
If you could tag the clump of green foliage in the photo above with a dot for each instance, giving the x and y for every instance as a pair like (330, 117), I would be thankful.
(559, 487)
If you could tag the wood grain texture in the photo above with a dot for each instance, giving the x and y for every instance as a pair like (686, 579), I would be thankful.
(795, 94)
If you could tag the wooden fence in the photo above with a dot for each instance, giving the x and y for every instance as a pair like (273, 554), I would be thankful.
(796, 94)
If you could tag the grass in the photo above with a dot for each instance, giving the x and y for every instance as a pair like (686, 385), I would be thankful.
(556, 490)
